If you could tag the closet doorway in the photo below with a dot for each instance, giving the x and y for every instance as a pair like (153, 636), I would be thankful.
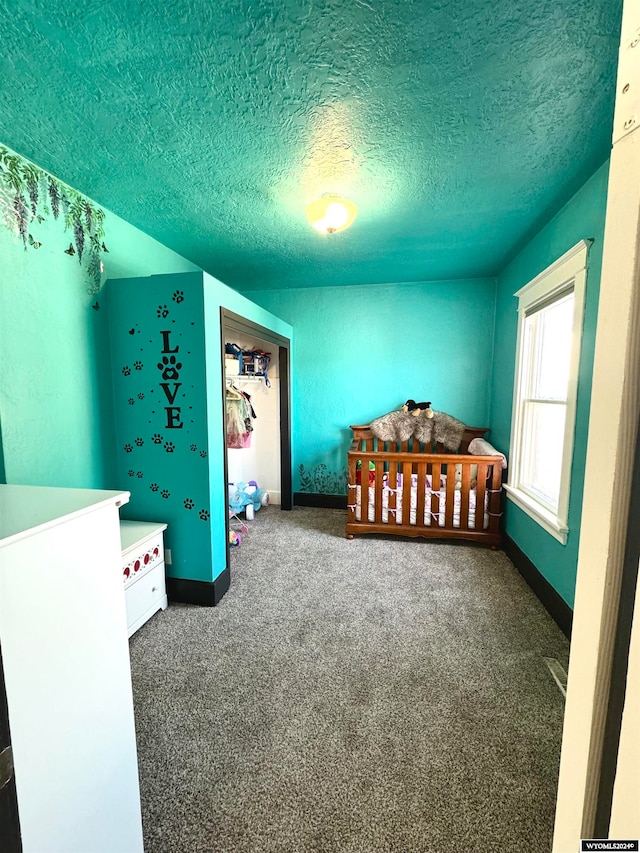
(265, 456)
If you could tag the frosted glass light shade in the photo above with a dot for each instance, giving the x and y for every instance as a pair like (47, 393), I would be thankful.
(331, 213)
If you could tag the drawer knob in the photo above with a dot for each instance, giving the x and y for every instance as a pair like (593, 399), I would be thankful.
(154, 589)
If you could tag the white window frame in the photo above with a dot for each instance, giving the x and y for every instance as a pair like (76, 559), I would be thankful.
(567, 273)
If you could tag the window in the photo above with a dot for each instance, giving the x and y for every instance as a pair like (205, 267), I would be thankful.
(550, 312)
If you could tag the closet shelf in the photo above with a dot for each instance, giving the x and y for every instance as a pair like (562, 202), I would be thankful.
(243, 377)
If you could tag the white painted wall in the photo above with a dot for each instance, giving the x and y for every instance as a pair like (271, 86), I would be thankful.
(260, 461)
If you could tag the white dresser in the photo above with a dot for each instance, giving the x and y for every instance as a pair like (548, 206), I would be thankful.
(145, 590)
(63, 633)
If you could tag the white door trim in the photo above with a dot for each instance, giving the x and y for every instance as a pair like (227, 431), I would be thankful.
(615, 409)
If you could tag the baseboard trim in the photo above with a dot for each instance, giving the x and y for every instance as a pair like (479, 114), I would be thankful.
(204, 593)
(554, 604)
(319, 499)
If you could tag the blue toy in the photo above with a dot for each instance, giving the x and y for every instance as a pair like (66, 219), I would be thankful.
(245, 494)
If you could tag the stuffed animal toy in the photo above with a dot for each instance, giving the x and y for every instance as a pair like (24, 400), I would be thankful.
(473, 473)
(246, 495)
(417, 408)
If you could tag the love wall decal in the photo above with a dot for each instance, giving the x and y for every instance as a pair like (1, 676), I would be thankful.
(170, 368)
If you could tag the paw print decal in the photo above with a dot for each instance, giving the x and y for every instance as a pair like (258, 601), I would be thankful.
(156, 438)
(178, 296)
(131, 401)
(138, 365)
(154, 487)
(140, 475)
(139, 442)
(193, 447)
(169, 446)
(203, 453)
(126, 371)
(165, 493)
(128, 448)
(163, 311)
(189, 504)
(131, 473)
(204, 514)
(141, 396)
(170, 368)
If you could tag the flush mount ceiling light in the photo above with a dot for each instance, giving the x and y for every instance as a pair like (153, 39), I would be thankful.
(330, 213)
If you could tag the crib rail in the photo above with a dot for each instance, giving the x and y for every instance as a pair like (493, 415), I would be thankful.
(382, 466)
(363, 439)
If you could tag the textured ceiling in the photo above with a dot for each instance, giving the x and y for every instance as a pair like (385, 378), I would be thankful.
(456, 126)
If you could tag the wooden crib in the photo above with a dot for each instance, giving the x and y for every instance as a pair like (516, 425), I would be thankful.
(411, 475)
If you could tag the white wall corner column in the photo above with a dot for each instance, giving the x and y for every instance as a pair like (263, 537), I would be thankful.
(613, 423)
(63, 633)
(625, 815)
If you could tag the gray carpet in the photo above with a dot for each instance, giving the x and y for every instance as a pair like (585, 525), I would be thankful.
(376, 696)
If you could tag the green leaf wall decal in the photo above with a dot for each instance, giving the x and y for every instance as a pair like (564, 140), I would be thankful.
(30, 195)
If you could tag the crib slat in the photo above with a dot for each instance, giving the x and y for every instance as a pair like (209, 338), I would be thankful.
(451, 497)
(421, 480)
(377, 499)
(435, 495)
(464, 496)
(351, 489)
(406, 493)
(481, 490)
(494, 498)
(393, 485)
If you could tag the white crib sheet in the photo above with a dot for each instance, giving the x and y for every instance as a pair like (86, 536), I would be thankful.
(395, 516)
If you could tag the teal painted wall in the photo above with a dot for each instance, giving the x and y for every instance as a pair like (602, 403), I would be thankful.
(217, 296)
(55, 391)
(581, 218)
(362, 351)
(167, 374)
(160, 396)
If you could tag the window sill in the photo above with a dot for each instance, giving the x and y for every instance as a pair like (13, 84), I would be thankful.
(546, 519)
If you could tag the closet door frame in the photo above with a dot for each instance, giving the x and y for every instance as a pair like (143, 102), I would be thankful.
(236, 323)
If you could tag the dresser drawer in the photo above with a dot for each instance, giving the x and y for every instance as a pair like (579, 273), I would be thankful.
(142, 558)
(144, 596)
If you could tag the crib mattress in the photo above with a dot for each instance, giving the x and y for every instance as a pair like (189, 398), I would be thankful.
(395, 516)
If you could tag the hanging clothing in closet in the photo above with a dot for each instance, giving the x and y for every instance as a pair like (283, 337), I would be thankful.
(240, 413)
